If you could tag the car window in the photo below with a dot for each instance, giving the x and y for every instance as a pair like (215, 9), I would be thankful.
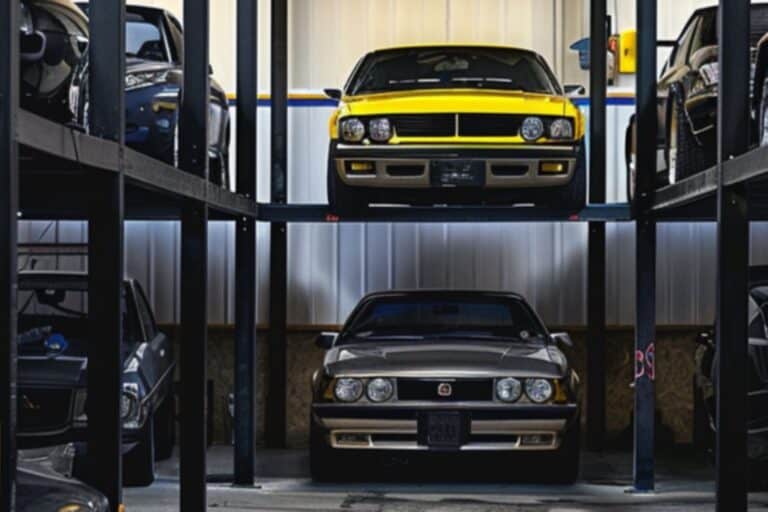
(430, 317)
(453, 67)
(758, 312)
(64, 311)
(684, 43)
(145, 314)
(706, 32)
(144, 39)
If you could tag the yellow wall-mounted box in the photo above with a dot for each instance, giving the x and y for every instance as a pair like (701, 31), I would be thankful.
(628, 51)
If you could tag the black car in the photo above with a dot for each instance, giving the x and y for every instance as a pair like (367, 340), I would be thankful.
(687, 98)
(54, 69)
(52, 371)
(42, 491)
(757, 374)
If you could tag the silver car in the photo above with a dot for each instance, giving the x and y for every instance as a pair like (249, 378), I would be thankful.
(422, 372)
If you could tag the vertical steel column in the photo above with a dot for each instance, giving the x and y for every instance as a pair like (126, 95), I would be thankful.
(645, 324)
(733, 259)
(106, 252)
(9, 201)
(596, 250)
(193, 132)
(278, 284)
(245, 240)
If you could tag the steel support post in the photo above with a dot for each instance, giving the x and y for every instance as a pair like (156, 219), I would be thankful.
(645, 323)
(106, 253)
(278, 285)
(733, 259)
(193, 132)
(245, 241)
(596, 250)
(9, 206)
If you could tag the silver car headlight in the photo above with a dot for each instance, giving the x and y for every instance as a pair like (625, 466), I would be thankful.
(380, 129)
(352, 130)
(710, 73)
(139, 80)
(561, 129)
(509, 390)
(538, 390)
(81, 418)
(380, 390)
(532, 128)
(215, 121)
(130, 407)
(348, 390)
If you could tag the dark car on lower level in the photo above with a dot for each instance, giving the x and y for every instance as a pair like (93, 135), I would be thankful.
(435, 373)
(53, 370)
(55, 78)
(39, 491)
(757, 374)
(687, 98)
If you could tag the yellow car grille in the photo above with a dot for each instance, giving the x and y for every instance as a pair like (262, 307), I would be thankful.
(461, 125)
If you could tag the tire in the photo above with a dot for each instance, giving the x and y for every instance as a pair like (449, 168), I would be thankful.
(343, 199)
(565, 466)
(683, 154)
(165, 429)
(139, 463)
(324, 464)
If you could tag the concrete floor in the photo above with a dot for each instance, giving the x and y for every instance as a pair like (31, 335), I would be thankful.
(282, 484)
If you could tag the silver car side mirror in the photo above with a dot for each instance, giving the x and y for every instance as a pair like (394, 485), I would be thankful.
(563, 338)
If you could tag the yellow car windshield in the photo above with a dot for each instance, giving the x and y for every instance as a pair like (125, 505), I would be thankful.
(453, 67)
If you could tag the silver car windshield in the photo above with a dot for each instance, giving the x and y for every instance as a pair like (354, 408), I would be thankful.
(429, 318)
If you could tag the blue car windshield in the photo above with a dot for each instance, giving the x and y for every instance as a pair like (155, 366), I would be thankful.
(430, 318)
(144, 40)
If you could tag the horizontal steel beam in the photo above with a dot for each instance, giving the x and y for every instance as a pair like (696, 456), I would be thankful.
(81, 151)
(315, 213)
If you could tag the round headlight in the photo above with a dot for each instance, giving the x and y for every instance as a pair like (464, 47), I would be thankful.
(561, 129)
(538, 390)
(127, 405)
(532, 129)
(348, 390)
(352, 130)
(380, 390)
(380, 129)
(509, 390)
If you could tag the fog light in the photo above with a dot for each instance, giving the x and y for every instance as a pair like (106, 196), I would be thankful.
(361, 168)
(553, 168)
(536, 440)
(355, 439)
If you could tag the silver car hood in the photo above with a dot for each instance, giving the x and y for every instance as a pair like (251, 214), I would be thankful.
(446, 359)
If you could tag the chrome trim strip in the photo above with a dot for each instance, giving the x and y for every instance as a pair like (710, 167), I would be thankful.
(451, 146)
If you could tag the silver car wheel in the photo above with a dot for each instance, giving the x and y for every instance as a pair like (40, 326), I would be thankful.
(672, 171)
(764, 138)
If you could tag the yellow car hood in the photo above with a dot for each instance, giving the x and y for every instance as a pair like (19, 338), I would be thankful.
(457, 101)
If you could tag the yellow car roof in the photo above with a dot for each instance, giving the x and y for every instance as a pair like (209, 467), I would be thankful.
(451, 45)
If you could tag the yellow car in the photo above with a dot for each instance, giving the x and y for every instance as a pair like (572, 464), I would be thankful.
(455, 124)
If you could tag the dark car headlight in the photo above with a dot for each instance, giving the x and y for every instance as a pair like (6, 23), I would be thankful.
(538, 390)
(135, 81)
(25, 19)
(215, 122)
(348, 390)
(130, 406)
(380, 390)
(509, 389)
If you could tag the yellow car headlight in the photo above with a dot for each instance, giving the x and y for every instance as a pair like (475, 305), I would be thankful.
(380, 129)
(532, 129)
(352, 130)
(561, 129)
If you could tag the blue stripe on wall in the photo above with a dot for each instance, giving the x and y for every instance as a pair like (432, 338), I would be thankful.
(329, 103)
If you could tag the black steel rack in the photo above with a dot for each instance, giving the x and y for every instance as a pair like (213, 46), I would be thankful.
(95, 177)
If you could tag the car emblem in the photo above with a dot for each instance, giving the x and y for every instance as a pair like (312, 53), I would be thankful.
(29, 404)
(444, 389)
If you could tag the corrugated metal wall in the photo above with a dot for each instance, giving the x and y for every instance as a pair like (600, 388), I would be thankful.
(331, 266)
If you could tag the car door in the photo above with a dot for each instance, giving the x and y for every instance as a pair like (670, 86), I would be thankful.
(674, 71)
(157, 362)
